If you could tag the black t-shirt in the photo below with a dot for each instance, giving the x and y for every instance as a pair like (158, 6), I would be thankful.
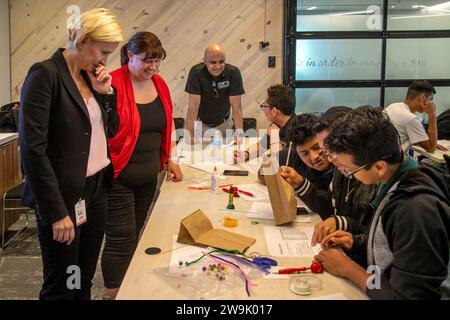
(215, 92)
(283, 134)
(145, 162)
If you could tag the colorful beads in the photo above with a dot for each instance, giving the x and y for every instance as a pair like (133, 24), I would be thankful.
(216, 269)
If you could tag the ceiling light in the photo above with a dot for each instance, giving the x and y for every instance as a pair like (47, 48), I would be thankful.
(351, 12)
(311, 8)
(421, 16)
(440, 6)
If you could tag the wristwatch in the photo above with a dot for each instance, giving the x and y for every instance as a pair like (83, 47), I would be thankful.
(111, 91)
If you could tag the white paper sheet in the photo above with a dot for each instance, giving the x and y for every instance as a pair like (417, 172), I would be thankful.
(258, 190)
(183, 252)
(208, 166)
(301, 204)
(290, 241)
(251, 166)
(263, 210)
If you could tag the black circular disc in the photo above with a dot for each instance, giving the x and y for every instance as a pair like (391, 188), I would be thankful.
(152, 251)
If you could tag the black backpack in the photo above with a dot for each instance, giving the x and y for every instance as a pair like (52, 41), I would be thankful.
(9, 117)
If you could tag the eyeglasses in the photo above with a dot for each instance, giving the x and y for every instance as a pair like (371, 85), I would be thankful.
(352, 173)
(214, 88)
(262, 106)
(325, 155)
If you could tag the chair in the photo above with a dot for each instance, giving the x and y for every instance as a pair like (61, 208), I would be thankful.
(443, 125)
(179, 124)
(447, 162)
(249, 123)
(11, 202)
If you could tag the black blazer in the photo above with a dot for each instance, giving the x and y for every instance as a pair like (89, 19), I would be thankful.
(54, 136)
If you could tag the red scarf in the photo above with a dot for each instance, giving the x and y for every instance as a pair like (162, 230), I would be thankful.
(123, 143)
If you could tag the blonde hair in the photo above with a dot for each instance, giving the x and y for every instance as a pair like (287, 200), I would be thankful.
(98, 24)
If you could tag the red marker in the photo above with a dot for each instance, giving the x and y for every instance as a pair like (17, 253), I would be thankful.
(246, 193)
(292, 270)
(316, 267)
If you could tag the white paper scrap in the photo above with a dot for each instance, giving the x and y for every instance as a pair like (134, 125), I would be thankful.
(290, 241)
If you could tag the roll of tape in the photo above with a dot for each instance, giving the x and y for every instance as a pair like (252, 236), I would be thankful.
(300, 286)
(230, 222)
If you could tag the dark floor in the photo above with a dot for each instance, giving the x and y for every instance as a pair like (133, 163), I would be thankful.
(21, 264)
(21, 267)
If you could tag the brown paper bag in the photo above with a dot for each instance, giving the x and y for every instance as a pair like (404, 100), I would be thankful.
(196, 229)
(281, 193)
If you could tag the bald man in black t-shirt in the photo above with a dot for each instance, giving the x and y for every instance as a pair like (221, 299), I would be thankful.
(215, 90)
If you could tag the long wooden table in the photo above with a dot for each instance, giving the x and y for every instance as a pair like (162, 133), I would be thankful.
(176, 202)
(437, 155)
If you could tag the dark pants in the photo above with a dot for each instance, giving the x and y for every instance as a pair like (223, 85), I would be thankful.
(60, 261)
(127, 211)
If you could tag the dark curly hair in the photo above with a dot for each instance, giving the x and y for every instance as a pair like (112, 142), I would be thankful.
(300, 128)
(328, 119)
(366, 134)
(143, 41)
(281, 97)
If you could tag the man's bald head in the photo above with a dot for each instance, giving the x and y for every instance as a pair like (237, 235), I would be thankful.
(214, 59)
(214, 49)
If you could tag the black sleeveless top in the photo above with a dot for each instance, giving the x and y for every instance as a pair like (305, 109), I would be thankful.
(145, 162)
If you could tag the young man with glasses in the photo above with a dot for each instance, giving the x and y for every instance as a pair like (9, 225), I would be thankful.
(215, 89)
(408, 240)
(279, 110)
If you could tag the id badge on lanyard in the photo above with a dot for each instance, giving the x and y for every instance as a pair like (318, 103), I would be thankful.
(80, 212)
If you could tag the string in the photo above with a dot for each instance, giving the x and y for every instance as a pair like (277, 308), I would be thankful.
(248, 262)
(349, 192)
(188, 263)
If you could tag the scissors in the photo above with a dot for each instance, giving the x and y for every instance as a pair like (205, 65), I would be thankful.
(264, 262)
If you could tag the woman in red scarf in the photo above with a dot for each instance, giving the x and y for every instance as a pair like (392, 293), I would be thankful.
(139, 151)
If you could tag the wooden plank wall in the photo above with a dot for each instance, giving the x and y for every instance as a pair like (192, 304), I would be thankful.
(185, 27)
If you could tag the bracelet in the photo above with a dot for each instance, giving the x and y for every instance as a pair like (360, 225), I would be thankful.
(111, 91)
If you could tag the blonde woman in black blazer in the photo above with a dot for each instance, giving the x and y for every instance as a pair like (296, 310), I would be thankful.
(67, 102)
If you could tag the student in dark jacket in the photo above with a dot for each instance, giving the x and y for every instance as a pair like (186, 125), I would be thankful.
(408, 242)
(346, 205)
(65, 102)
(311, 168)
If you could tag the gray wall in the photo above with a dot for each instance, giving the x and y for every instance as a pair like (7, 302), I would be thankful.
(5, 66)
